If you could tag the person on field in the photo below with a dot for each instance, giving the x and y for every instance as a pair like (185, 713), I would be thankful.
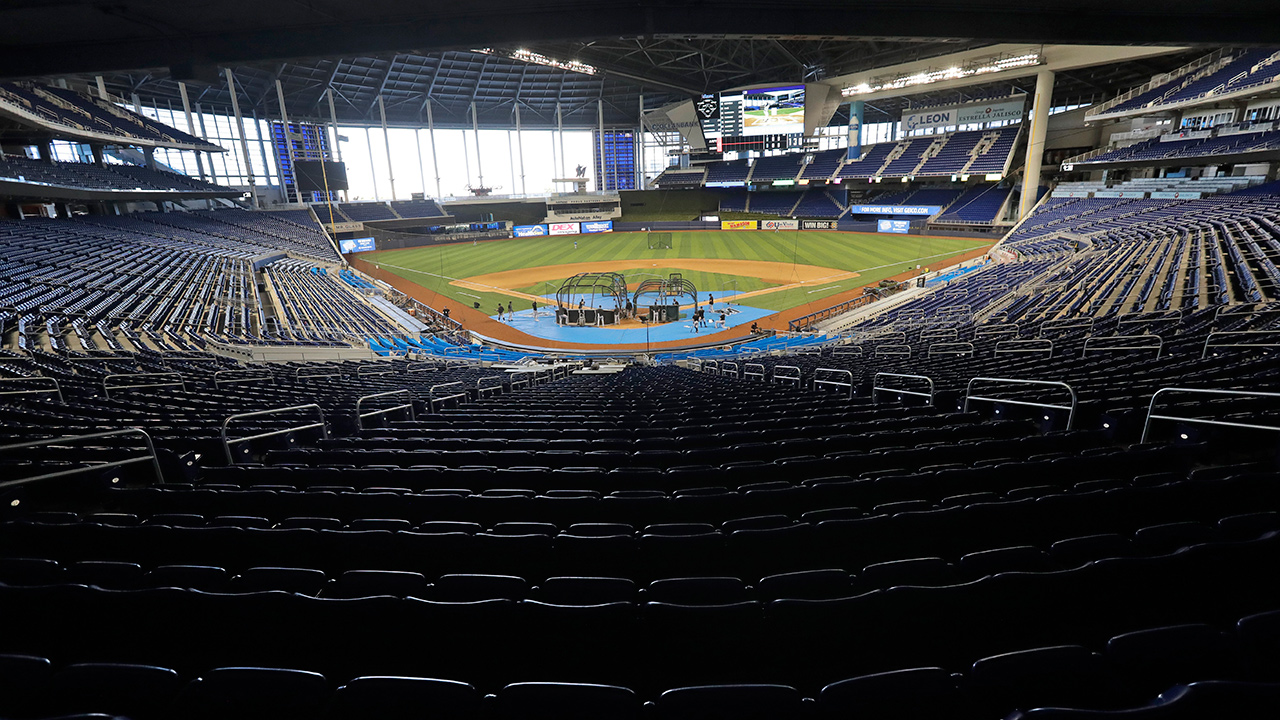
(499, 311)
(535, 311)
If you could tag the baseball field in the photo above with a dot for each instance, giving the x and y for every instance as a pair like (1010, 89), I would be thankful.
(769, 270)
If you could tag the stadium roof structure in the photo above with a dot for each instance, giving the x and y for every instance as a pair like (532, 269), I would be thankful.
(663, 49)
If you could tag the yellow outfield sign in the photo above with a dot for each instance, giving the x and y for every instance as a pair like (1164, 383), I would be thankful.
(737, 224)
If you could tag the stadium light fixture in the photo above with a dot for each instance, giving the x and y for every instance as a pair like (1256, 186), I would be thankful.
(530, 56)
(977, 66)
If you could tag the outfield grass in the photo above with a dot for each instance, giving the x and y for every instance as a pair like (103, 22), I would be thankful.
(874, 256)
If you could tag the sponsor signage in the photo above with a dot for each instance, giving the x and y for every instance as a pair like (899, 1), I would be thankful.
(737, 224)
(783, 183)
(727, 183)
(779, 224)
(598, 226)
(1180, 195)
(963, 115)
(817, 224)
(570, 228)
(355, 245)
(900, 227)
(896, 209)
(530, 230)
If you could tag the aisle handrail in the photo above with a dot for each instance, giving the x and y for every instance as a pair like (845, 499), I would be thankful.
(1071, 409)
(228, 442)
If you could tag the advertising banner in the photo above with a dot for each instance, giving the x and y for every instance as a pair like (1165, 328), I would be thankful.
(817, 224)
(355, 245)
(900, 227)
(963, 115)
(530, 230)
(597, 226)
(564, 228)
(895, 210)
(779, 224)
(737, 224)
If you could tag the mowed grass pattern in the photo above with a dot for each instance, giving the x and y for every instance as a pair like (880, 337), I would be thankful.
(874, 256)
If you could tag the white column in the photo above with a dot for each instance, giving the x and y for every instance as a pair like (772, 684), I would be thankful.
(386, 139)
(288, 145)
(600, 184)
(422, 173)
(520, 149)
(475, 128)
(1035, 141)
(191, 123)
(336, 147)
(368, 143)
(640, 159)
(102, 89)
(244, 144)
(560, 133)
(435, 164)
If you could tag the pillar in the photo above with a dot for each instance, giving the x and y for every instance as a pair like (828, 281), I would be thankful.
(244, 144)
(288, 146)
(386, 140)
(1035, 141)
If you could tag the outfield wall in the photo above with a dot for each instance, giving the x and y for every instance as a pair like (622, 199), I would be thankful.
(670, 226)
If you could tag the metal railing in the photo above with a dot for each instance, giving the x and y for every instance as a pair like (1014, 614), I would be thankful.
(483, 390)
(729, 369)
(1151, 409)
(711, 367)
(229, 377)
(788, 377)
(373, 370)
(54, 442)
(304, 373)
(385, 411)
(892, 351)
(418, 367)
(1242, 335)
(940, 334)
(818, 380)
(1151, 317)
(758, 372)
(521, 378)
(1071, 409)
(983, 331)
(56, 389)
(1130, 343)
(954, 348)
(108, 386)
(848, 350)
(1067, 324)
(1038, 345)
(228, 442)
(432, 399)
(876, 387)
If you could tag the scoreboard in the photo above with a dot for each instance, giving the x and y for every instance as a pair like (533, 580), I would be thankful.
(758, 143)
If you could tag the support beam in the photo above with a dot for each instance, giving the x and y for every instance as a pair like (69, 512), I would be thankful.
(288, 144)
(1035, 141)
(368, 143)
(475, 128)
(435, 165)
(520, 150)
(386, 139)
(244, 144)
(191, 125)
